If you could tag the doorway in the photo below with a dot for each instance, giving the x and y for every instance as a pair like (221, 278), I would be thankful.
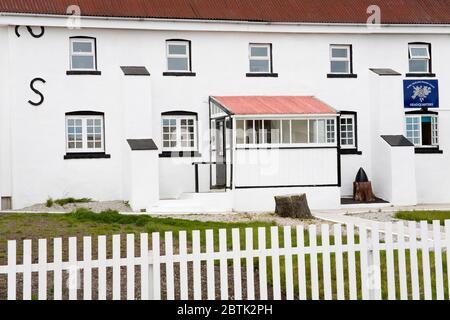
(220, 155)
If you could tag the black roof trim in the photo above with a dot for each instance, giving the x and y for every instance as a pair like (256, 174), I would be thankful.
(142, 144)
(135, 71)
(398, 141)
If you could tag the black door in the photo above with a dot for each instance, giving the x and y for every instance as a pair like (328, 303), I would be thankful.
(221, 166)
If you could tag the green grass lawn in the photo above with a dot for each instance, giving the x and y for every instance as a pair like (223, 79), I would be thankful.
(429, 216)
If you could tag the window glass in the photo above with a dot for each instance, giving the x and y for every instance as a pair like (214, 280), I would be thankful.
(299, 131)
(413, 130)
(317, 131)
(240, 132)
(178, 64)
(347, 131)
(340, 67)
(286, 131)
(259, 66)
(272, 131)
(82, 47)
(339, 52)
(260, 51)
(249, 135)
(179, 133)
(178, 49)
(419, 52)
(418, 65)
(82, 62)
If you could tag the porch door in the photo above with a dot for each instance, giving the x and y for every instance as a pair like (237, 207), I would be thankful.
(221, 166)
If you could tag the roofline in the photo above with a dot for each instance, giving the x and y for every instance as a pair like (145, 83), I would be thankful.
(225, 21)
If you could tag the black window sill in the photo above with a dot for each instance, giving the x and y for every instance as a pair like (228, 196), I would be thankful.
(341, 76)
(428, 151)
(180, 154)
(262, 75)
(179, 74)
(78, 73)
(72, 156)
(350, 151)
(420, 75)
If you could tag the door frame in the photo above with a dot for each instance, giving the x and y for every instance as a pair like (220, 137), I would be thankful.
(224, 150)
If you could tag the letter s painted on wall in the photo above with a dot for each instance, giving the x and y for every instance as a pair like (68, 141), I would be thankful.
(41, 101)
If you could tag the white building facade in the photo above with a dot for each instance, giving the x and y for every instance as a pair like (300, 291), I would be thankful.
(181, 115)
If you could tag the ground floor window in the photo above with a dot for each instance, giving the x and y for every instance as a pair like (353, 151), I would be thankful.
(286, 131)
(179, 132)
(348, 128)
(85, 133)
(423, 129)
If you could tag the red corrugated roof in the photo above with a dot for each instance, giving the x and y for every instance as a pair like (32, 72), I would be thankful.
(257, 105)
(312, 11)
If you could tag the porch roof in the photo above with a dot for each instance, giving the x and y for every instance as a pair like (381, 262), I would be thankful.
(273, 105)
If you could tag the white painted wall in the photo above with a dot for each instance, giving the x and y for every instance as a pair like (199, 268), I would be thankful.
(220, 60)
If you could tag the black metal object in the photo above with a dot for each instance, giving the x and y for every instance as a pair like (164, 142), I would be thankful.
(30, 30)
(41, 101)
(196, 164)
(361, 176)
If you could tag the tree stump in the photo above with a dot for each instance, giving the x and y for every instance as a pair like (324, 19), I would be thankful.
(362, 192)
(293, 206)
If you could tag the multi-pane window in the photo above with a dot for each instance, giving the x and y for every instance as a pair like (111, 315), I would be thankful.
(340, 59)
(260, 56)
(83, 54)
(348, 134)
(419, 58)
(85, 134)
(284, 132)
(423, 130)
(179, 133)
(178, 56)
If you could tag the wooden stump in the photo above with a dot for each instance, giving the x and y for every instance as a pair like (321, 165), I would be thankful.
(362, 192)
(293, 206)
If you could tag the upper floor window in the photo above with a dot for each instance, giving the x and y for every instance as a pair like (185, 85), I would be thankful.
(85, 133)
(423, 129)
(179, 131)
(83, 54)
(341, 59)
(419, 58)
(178, 56)
(260, 57)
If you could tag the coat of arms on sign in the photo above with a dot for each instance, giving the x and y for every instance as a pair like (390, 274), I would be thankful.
(421, 92)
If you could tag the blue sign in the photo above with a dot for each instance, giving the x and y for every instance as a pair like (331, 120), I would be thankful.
(421, 93)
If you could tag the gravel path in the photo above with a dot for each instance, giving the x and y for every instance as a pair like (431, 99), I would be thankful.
(376, 216)
(97, 206)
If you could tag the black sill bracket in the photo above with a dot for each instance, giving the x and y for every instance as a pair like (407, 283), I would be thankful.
(341, 76)
(179, 74)
(94, 155)
(80, 72)
(262, 75)
(180, 154)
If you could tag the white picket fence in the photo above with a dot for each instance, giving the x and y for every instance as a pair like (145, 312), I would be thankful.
(348, 268)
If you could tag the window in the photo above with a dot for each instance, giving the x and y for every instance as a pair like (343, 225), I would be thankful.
(85, 134)
(178, 56)
(341, 59)
(419, 58)
(284, 132)
(83, 54)
(422, 129)
(179, 132)
(260, 56)
(348, 131)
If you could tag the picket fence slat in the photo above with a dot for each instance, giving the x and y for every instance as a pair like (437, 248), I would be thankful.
(288, 264)
(313, 263)
(425, 259)
(413, 247)
(262, 264)
(27, 246)
(223, 264)
(250, 265)
(402, 261)
(210, 276)
(325, 268)
(340, 293)
(437, 239)
(87, 271)
(350, 228)
(102, 268)
(170, 282)
(130, 267)
(237, 264)
(301, 263)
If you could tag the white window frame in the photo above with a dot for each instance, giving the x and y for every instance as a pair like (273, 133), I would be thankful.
(92, 54)
(348, 59)
(187, 56)
(434, 129)
(353, 118)
(84, 120)
(290, 144)
(426, 57)
(268, 58)
(178, 119)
